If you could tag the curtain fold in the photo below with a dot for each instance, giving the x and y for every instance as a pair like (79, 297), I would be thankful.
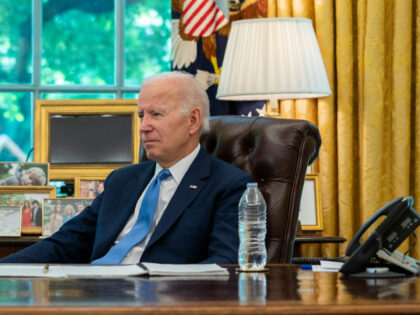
(415, 115)
(324, 27)
(347, 135)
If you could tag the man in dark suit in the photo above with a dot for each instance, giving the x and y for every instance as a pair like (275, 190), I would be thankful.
(196, 217)
(36, 214)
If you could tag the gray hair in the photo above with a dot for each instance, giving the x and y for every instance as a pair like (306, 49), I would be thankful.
(192, 93)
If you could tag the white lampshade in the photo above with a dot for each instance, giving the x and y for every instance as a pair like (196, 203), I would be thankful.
(272, 58)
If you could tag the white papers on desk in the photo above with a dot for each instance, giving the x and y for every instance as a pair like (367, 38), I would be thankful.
(184, 270)
(77, 271)
(31, 270)
(87, 270)
(327, 266)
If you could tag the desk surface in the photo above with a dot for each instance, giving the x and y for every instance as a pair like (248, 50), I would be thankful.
(285, 289)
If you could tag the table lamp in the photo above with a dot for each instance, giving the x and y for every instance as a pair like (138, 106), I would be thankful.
(272, 59)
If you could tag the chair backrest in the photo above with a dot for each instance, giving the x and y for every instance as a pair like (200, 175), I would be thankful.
(276, 152)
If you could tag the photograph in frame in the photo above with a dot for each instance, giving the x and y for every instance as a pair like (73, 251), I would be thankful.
(10, 218)
(29, 199)
(24, 174)
(57, 211)
(310, 214)
(88, 187)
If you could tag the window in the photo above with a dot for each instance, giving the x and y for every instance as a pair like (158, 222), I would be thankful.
(61, 49)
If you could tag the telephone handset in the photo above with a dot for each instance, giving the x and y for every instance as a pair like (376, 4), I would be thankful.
(401, 220)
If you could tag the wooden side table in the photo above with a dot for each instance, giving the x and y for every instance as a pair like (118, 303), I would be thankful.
(314, 239)
(9, 245)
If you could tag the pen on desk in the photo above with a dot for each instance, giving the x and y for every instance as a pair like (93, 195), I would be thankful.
(306, 267)
(46, 268)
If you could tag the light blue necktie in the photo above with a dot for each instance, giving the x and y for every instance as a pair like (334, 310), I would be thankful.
(142, 226)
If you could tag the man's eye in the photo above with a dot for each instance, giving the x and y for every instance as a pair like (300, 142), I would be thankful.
(156, 114)
(141, 115)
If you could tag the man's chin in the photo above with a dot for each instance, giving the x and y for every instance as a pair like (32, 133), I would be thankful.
(150, 155)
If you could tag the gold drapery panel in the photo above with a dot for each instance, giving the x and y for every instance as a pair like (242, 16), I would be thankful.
(370, 125)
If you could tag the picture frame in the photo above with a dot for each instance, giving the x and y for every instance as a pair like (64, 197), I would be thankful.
(21, 196)
(10, 221)
(310, 169)
(57, 211)
(88, 187)
(310, 214)
(49, 113)
(24, 174)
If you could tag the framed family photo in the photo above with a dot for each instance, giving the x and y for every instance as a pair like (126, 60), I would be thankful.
(57, 211)
(10, 220)
(23, 174)
(29, 200)
(88, 187)
(310, 214)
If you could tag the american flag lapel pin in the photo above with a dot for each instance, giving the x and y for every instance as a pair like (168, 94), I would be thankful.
(193, 186)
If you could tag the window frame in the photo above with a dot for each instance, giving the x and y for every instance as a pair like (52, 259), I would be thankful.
(119, 89)
(36, 88)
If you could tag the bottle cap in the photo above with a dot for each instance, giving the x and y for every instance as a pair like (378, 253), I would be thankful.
(252, 185)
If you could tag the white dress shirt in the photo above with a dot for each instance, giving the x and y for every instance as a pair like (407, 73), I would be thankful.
(167, 190)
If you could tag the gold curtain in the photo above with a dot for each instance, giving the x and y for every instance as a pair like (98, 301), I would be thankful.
(370, 125)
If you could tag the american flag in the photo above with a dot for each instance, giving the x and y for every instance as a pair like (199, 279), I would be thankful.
(203, 17)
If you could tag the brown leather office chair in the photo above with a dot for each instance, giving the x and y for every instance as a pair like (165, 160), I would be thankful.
(276, 152)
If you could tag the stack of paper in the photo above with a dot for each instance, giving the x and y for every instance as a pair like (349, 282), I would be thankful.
(102, 270)
(328, 266)
(152, 269)
(31, 270)
(184, 270)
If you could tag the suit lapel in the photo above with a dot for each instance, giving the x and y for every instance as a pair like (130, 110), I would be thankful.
(188, 189)
(126, 204)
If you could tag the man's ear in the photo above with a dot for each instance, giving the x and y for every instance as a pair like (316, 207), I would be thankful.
(195, 120)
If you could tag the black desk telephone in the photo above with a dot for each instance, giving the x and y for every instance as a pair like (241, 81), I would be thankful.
(401, 221)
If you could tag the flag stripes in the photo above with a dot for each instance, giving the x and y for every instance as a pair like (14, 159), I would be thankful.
(202, 17)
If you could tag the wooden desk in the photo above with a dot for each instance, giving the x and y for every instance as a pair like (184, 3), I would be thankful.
(284, 290)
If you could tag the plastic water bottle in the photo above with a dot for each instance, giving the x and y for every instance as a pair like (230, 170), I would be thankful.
(252, 229)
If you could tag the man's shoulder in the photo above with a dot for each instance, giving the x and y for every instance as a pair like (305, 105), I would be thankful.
(137, 166)
(132, 170)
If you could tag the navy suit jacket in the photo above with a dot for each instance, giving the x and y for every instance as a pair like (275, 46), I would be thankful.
(200, 224)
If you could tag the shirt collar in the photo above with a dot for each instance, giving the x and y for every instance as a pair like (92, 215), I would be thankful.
(179, 169)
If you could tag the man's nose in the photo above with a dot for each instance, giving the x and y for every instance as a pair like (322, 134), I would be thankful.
(145, 125)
